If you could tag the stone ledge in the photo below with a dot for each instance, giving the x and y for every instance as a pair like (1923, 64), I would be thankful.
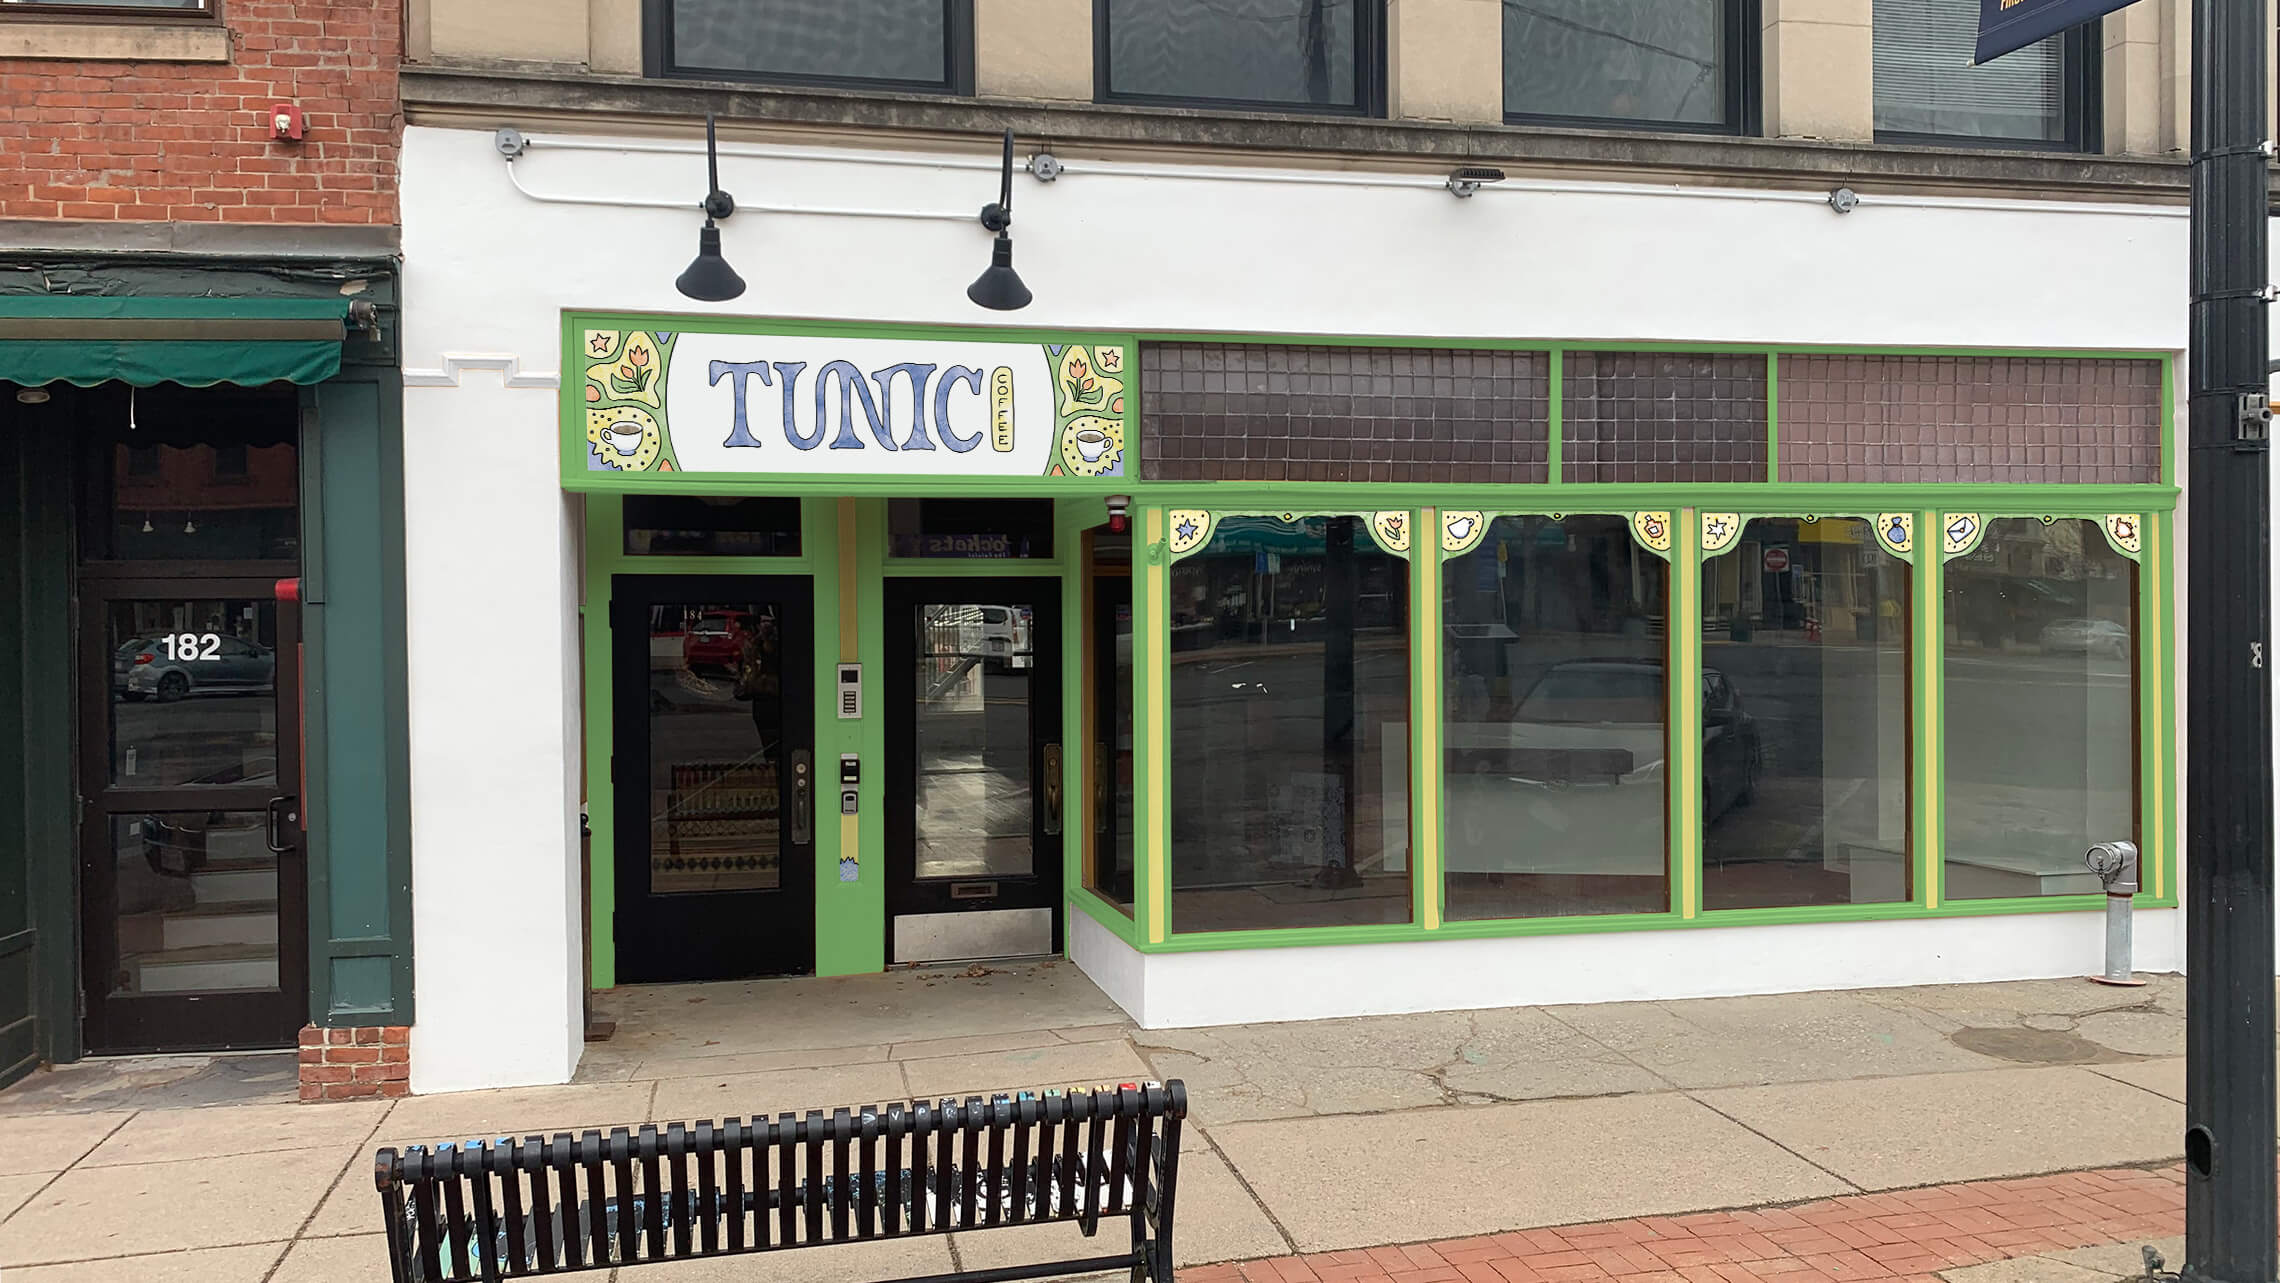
(116, 41)
(469, 95)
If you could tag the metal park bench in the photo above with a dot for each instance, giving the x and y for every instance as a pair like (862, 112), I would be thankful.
(506, 1209)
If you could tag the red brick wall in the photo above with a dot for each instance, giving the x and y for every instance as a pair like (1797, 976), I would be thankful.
(160, 142)
(349, 1064)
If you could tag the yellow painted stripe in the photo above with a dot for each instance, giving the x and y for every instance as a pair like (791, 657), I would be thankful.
(1153, 573)
(2155, 633)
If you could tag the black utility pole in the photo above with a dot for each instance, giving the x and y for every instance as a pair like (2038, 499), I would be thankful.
(2230, 1189)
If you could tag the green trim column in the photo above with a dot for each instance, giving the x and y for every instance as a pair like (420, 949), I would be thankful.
(1151, 708)
(1685, 750)
(605, 536)
(1926, 646)
(358, 751)
(847, 540)
(1426, 790)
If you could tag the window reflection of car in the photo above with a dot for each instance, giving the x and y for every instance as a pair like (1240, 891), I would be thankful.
(716, 640)
(143, 670)
(1602, 720)
(2086, 637)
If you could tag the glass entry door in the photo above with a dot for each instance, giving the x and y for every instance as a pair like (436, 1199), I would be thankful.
(975, 807)
(714, 772)
(193, 894)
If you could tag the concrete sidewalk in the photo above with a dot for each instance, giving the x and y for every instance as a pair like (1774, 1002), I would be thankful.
(1309, 1138)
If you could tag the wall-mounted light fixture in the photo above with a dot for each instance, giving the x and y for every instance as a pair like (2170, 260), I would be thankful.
(999, 287)
(710, 278)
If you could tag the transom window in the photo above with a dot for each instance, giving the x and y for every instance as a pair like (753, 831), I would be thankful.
(1278, 55)
(907, 44)
(2043, 96)
(1663, 64)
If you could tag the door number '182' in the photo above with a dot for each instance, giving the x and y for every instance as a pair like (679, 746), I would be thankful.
(187, 647)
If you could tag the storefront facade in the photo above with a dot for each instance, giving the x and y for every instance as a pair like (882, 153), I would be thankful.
(1434, 520)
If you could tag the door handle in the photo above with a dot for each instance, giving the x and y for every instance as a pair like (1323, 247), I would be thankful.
(803, 797)
(281, 815)
(1052, 789)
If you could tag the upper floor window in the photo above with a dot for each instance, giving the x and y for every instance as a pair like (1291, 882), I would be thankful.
(904, 44)
(2044, 96)
(1273, 55)
(1661, 64)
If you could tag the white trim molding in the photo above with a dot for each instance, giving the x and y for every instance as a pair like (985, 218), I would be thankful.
(509, 368)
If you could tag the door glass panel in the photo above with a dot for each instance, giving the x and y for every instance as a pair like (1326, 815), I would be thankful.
(2040, 675)
(195, 900)
(976, 663)
(193, 691)
(205, 474)
(716, 747)
(1555, 721)
(1804, 717)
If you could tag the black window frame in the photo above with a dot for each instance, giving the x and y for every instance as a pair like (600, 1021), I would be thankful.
(2082, 90)
(658, 59)
(1744, 89)
(1369, 74)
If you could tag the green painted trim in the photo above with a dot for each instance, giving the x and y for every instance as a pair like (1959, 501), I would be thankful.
(2157, 671)
(1151, 705)
(605, 538)
(1106, 914)
(1684, 752)
(1927, 731)
(1427, 778)
(851, 918)
(2172, 426)
(1307, 937)
(1556, 425)
(1773, 417)
(1543, 344)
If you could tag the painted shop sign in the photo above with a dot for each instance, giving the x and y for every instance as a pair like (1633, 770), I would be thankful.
(661, 401)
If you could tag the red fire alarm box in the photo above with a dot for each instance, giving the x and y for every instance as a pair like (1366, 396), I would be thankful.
(285, 122)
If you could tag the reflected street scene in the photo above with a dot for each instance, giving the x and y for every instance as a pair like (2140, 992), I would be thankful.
(1289, 728)
(1805, 628)
(2041, 682)
(1554, 728)
(976, 812)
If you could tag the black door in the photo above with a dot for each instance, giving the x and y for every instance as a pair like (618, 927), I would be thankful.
(714, 777)
(194, 921)
(975, 810)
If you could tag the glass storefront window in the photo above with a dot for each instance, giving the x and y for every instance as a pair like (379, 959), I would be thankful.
(1555, 721)
(192, 474)
(1289, 729)
(1805, 758)
(711, 525)
(2040, 676)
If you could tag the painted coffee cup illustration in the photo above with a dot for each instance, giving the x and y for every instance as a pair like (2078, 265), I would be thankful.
(625, 438)
(1092, 443)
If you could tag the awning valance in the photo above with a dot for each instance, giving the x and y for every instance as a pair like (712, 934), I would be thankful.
(197, 342)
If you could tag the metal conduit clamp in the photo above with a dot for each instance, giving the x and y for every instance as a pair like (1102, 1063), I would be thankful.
(2116, 864)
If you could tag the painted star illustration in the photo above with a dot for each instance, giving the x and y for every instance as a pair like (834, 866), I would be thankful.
(599, 344)
(1186, 528)
(1717, 528)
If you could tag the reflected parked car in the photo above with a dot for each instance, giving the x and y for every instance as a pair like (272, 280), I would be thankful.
(716, 640)
(146, 669)
(2086, 637)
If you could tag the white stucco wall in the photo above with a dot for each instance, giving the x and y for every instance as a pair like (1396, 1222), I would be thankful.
(492, 582)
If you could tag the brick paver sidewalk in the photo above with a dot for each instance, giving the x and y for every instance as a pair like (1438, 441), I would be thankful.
(1899, 1237)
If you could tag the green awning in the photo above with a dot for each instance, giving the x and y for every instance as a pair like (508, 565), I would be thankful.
(197, 342)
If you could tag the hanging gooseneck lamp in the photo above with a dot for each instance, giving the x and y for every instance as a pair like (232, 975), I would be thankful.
(710, 278)
(999, 287)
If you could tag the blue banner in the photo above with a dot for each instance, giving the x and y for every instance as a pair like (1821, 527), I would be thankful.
(2007, 25)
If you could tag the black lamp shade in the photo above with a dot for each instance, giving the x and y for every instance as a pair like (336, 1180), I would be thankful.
(710, 278)
(999, 288)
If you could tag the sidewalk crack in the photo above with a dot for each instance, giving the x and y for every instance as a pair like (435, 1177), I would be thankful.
(1849, 1185)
